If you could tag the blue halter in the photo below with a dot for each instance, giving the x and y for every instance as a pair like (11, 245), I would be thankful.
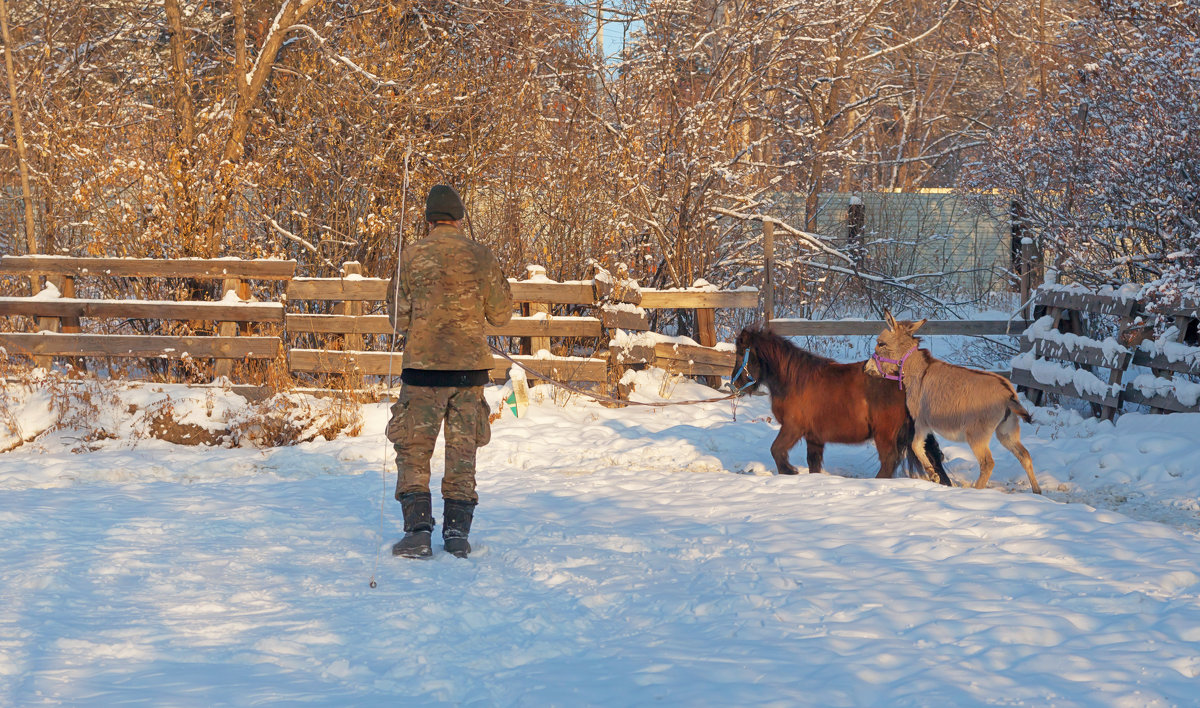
(742, 369)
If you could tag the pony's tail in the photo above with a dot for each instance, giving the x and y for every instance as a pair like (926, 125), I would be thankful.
(1015, 407)
(932, 450)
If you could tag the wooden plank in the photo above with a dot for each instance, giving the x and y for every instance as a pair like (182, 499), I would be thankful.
(1167, 403)
(1023, 377)
(373, 289)
(1187, 308)
(569, 293)
(699, 299)
(676, 366)
(559, 368)
(872, 328)
(148, 346)
(1086, 354)
(635, 354)
(1090, 302)
(1161, 363)
(377, 364)
(700, 355)
(379, 324)
(622, 319)
(151, 267)
(144, 309)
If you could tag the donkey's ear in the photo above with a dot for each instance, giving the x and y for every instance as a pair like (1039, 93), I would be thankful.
(914, 326)
(891, 321)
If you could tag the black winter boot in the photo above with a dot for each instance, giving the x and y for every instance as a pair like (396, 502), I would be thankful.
(456, 526)
(418, 526)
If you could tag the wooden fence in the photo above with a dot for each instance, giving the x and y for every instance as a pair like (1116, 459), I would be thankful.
(582, 331)
(58, 319)
(1063, 354)
(337, 325)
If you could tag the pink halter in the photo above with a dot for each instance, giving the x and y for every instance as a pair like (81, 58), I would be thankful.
(880, 360)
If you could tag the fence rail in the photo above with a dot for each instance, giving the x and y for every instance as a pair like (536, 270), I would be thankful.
(819, 328)
(212, 268)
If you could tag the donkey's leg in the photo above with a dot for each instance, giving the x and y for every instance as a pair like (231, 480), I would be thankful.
(788, 436)
(1009, 435)
(918, 448)
(934, 452)
(983, 453)
(816, 454)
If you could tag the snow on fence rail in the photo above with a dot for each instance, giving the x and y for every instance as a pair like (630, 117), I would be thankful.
(1059, 356)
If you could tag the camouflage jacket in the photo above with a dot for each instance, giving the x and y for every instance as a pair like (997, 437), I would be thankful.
(448, 286)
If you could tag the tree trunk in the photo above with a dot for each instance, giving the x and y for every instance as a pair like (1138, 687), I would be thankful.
(22, 162)
(183, 158)
(253, 80)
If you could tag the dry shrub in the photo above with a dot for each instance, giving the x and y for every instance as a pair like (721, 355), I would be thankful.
(8, 404)
(76, 403)
(79, 402)
(161, 422)
(287, 420)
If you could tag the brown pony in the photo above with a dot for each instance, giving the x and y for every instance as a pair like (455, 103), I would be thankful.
(822, 401)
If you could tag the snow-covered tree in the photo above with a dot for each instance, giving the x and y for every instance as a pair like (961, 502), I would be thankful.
(1108, 169)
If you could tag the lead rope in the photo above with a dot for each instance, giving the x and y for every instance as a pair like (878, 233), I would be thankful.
(391, 351)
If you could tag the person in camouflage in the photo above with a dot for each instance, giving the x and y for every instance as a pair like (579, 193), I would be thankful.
(446, 287)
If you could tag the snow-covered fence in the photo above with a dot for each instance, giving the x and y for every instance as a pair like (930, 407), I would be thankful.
(57, 313)
(353, 294)
(615, 337)
(338, 325)
(1060, 356)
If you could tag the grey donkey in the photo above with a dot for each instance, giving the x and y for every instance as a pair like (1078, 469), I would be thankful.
(953, 401)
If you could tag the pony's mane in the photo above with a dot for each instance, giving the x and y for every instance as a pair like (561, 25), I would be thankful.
(786, 361)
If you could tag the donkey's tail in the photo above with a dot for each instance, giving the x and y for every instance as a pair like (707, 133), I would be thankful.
(1015, 407)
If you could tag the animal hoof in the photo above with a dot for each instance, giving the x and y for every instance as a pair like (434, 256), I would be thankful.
(792, 471)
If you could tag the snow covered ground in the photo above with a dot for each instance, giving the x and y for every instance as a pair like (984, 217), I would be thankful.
(623, 557)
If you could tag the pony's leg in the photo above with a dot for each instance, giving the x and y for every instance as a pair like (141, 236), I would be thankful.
(888, 448)
(983, 453)
(816, 455)
(1009, 435)
(787, 438)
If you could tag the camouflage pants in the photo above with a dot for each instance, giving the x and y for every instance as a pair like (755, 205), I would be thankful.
(418, 416)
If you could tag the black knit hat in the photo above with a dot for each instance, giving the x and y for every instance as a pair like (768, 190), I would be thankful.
(443, 204)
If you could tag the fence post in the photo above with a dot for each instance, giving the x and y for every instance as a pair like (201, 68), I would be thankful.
(536, 344)
(856, 219)
(224, 367)
(1026, 278)
(768, 271)
(1018, 261)
(352, 308)
(49, 324)
(706, 332)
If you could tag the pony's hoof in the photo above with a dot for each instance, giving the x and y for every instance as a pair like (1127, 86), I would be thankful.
(791, 471)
